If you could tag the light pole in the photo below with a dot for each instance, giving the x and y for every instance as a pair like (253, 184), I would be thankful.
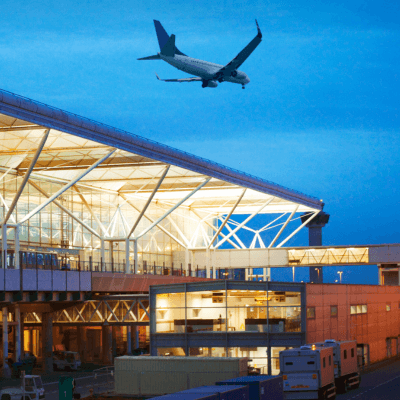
(340, 274)
(317, 269)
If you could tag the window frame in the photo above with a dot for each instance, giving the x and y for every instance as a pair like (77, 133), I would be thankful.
(309, 316)
(334, 315)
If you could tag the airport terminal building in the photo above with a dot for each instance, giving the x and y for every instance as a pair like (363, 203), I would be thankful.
(92, 217)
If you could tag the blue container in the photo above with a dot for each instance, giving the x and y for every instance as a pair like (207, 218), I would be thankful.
(188, 396)
(231, 392)
(261, 387)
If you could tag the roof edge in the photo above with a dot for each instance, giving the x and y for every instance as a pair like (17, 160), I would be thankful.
(51, 117)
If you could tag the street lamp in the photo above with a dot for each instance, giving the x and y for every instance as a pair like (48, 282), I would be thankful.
(340, 274)
(317, 269)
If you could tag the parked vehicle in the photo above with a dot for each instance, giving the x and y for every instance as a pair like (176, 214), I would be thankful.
(73, 360)
(347, 375)
(33, 390)
(308, 373)
(66, 360)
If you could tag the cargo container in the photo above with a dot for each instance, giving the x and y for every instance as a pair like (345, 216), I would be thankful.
(347, 375)
(308, 373)
(187, 396)
(155, 376)
(232, 392)
(261, 387)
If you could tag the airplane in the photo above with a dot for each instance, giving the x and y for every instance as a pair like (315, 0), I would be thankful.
(206, 72)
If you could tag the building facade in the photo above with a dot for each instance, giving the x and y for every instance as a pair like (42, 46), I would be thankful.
(259, 319)
(228, 318)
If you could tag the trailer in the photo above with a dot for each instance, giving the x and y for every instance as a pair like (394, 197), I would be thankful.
(308, 373)
(347, 374)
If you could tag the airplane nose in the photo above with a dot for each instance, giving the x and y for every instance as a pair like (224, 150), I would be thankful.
(247, 80)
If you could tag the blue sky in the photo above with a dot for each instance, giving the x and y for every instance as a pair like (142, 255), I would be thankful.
(320, 114)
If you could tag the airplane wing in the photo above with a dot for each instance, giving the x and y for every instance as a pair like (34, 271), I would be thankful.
(193, 79)
(241, 57)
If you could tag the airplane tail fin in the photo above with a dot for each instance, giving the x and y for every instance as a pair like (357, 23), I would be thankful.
(169, 47)
(163, 37)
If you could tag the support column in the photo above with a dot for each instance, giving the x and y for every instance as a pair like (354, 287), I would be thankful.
(187, 261)
(127, 265)
(103, 254)
(135, 256)
(269, 361)
(129, 340)
(4, 246)
(18, 336)
(17, 248)
(6, 372)
(208, 263)
(135, 337)
(264, 274)
(111, 252)
(82, 342)
(106, 344)
(315, 239)
(47, 342)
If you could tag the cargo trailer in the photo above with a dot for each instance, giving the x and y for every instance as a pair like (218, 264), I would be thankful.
(187, 396)
(347, 375)
(232, 392)
(308, 373)
(261, 387)
(156, 376)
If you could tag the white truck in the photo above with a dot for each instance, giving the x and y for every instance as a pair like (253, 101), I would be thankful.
(308, 373)
(347, 375)
(33, 390)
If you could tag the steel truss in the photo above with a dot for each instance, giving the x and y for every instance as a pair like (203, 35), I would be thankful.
(100, 312)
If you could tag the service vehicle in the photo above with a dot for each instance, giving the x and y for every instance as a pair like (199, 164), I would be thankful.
(66, 360)
(73, 360)
(308, 373)
(34, 390)
(347, 374)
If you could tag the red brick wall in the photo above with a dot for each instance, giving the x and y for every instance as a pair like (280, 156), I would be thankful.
(372, 328)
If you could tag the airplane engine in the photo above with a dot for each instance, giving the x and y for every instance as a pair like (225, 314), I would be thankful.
(211, 84)
(234, 74)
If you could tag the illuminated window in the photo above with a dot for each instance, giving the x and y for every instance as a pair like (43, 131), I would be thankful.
(358, 309)
(334, 311)
(310, 312)
(388, 307)
(364, 309)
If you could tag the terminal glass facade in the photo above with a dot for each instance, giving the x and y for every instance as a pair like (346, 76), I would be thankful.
(228, 319)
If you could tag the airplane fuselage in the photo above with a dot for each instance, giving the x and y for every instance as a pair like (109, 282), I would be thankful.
(203, 69)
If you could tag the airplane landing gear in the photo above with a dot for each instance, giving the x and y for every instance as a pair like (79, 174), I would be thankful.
(243, 87)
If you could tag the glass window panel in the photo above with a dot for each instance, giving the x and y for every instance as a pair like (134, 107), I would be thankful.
(310, 312)
(334, 311)
(364, 308)
(170, 320)
(171, 351)
(206, 299)
(170, 300)
(207, 352)
(243, 298)
(358, 309)
(206, 320)
(353, 309)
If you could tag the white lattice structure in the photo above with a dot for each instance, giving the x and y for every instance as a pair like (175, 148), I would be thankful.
(70, 183)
